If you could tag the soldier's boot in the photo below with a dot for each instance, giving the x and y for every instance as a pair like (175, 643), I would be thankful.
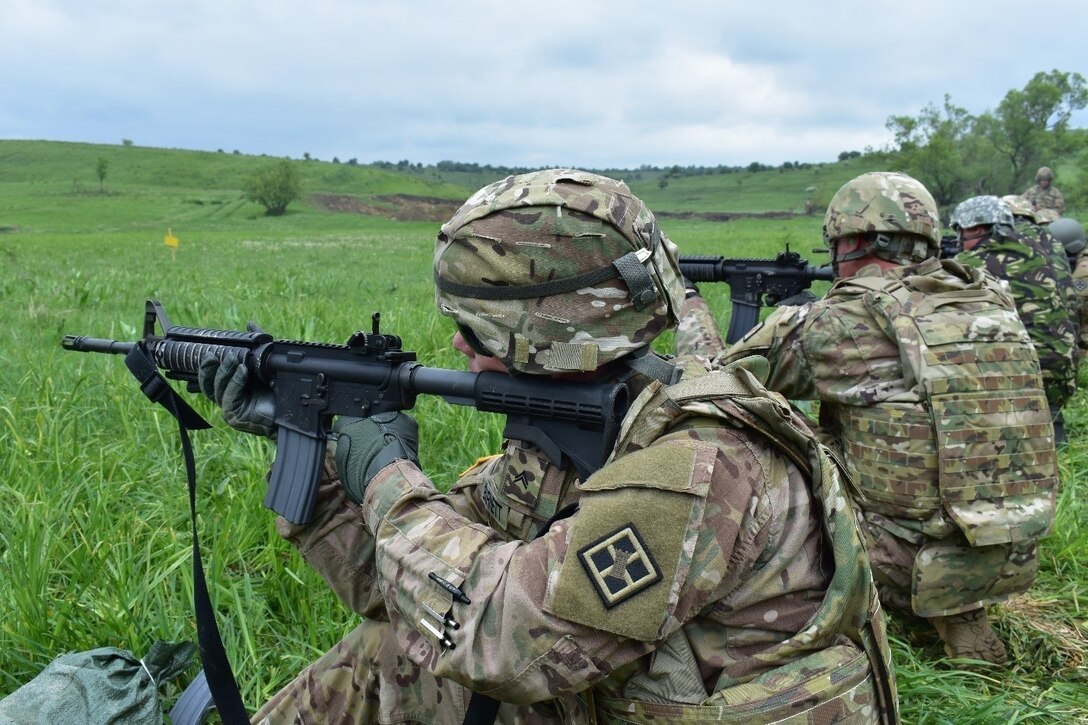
(969, 635)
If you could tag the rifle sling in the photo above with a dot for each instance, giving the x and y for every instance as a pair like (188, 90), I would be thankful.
(213, 656)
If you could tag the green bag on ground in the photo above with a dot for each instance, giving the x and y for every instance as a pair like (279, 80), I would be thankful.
(98, 687)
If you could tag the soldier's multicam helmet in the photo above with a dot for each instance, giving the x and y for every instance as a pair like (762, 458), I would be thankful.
(980, 211)
(1019, 206)
(1044, 172)
(893, 208)
(1070, 233)
(557, 271)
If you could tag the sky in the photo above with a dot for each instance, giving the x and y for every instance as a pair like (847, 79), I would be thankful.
(586, 83)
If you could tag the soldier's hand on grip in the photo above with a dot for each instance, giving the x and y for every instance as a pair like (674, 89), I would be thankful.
(365, 446)
(247, 406)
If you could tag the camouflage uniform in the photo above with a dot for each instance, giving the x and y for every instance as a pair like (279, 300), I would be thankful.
(1049, 199)
(928, 552)
(1070, 234)
(712, 571)
(930, 390)
(1026, 223)
(1080, 289)
(1041, 198)
(1045, 298)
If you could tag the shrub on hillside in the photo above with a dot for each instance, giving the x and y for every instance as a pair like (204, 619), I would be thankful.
(274, 188)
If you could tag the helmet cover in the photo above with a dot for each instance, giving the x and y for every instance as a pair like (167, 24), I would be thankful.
(1019, 206)
(891, 205)
(978, 211)
(557, 271)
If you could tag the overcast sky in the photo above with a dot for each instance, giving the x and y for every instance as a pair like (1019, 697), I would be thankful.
(559, 82)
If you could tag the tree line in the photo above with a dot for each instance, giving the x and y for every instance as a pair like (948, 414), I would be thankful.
(955, 153)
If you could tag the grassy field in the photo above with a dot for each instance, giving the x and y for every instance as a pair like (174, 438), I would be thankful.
(94, 538)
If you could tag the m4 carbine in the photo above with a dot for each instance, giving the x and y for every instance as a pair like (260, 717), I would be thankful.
(950, 246)
(571, 422)
(754, 283)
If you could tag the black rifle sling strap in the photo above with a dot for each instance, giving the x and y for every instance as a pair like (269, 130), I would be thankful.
(212, 654)
(482, 710)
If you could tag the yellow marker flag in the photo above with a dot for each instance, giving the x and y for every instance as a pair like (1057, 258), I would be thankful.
(170, 240)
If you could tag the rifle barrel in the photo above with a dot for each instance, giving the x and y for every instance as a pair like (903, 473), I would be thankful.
(81, 343)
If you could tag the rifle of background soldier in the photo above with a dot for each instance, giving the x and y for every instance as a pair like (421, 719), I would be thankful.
(754, 283)
(313, 382)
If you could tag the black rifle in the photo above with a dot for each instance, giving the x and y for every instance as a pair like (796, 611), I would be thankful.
(950, 246)
(570, 422)
(754, 283)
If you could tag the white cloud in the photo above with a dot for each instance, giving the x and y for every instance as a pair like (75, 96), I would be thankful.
(586, 83)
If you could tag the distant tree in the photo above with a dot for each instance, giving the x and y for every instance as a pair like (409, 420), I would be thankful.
(933, 147)
(1032, 123)
(306, 156)
(126, 142)
(663, 182)
(274, 187)
(100, 168)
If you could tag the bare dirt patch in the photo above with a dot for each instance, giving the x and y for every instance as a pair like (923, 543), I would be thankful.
(403, 207)
(722, 216)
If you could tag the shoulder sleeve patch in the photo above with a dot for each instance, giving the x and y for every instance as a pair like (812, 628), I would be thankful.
(631, 543)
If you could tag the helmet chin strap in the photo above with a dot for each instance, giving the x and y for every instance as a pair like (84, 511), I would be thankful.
(646, 362)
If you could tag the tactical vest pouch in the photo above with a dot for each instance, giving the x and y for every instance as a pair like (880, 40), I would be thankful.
(891, 455)
(832, 685)
(974, 363)
(981, 575)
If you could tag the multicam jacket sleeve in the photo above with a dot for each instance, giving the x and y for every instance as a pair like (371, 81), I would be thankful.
(492, 626)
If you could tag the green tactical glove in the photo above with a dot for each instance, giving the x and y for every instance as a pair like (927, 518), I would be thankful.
(250, 408)
(365, 446)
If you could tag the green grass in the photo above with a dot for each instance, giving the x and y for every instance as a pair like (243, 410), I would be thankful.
(94, 534)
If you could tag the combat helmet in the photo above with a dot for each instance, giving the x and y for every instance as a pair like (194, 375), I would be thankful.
(557, 271)
(1046, 215)
(1044, 172)
(1070, 233)
(1020, 207)
(986, 210)
(894, 211)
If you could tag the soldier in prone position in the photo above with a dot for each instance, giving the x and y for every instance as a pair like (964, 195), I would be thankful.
(930, 389)
(712, 570)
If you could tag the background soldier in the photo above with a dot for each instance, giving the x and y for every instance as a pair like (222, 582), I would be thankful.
(1044, 195)
(711, 568)
(911, 357)
(1041, 286)
(1026, 222)
(1070, 233)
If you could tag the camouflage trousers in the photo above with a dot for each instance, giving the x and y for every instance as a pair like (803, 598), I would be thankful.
(366, 678)
(930, 576)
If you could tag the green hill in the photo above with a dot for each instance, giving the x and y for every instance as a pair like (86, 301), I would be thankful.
(94, 542)
(54, 186)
